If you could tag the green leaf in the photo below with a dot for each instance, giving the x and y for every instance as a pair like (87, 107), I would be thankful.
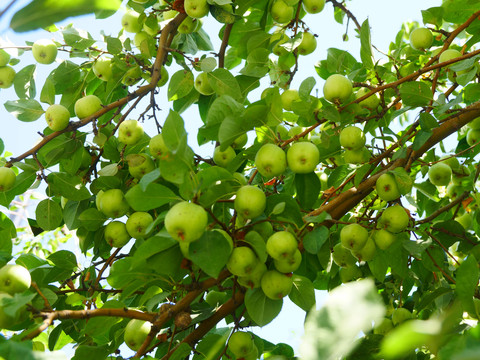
(48, 214)
(467, 282)
(47, 95)
(433, 15)
(201, 250)
(154, 196)
(224, 83)
(43, 13)
(208, 64)
(68, 186)
(403, 180)
(302, 293)
(24, 82)
(306, 88)
(180, 85)
(314, 240)
(64, 259)
(261, 309)
(308, 188)
(366, 46)
(92, 219)
(24, 110)
(91, 352)
(458, 11)
(328, 335)
(23, 181)
(415, 93)
(257, 243)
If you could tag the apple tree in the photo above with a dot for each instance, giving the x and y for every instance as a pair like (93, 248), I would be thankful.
(360, 180)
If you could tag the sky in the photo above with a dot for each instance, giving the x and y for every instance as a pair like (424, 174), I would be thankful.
(385, 18)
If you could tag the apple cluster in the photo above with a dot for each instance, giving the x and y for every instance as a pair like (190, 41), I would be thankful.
(242, 346)
(283, 11)
(352, 139)
(14, 279)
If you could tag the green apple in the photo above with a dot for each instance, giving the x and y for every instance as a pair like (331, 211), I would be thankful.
(281, 245)
(242, 261)
(252, 280)
(131, 22)
(291, 2)
(356, 156)
(113, 204)
(102, 68)
(130, 132)
(296, 131)
(170, 14)
(383, 327)
(202, 84)
(196, 8)
(116, 234)
(240, 141)
(281, 38)
(352, 138)
(288, 97)
(367, 252)
(163, 77)
(451, 161)
(250, 202)
(4, 58)
(188, 25)
(276, 285)
(313, 6)
(132, 76)
(223, 158)
(308, 44)
(152, 28)
(158, 148)
(353, 236)
(281, 12)
(240, 343)
(449, 54)
(14, 279)
(474, 124)
(337, 88)
(440, 174)
(253, 355)
(215, 298)
(394, 219)
(401, 315)
(186, 222)
(350, 273)
(303, 157)
(57, 117)
(138, 223)
(421, 38)
(465, 220)
(7, 178)
(473, 137)
(387, 188)
(383, 238)
(289, 264)
(136, 333)
(7, 75)
(271, 160)
(453, 191)
(141, 41)
(139, 165)
(87, 106)
(371, 102)
(342, 256)
(264, 228)
(44, 51)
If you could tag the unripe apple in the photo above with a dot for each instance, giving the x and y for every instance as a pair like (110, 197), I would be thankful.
(242, 261)
(342, 256)
(289, 264)
(296, 131)
(87, 106)
(276, 285)
(352, 138)
(57, 117)
(271, 160)
(281, 245)
(7, 76)
(14, 279)
(451, 161)
(202, 84)
(383, 327)
(387, 188)
(264, 228)
(473, 137)
(4, 58)
(136, 333)
(102, 68)
(350, 273)
(353, 237)
(141, 41)
(240, 343)
(116, 234)
(44, 51)
(188, 25)
(163, 77)
(158, 148)
(337, 88)
(313, 6)
(371, 102)
(401, 315)
(214, 298)
(281, 12)
(138, 223)
(253, 355)
(465, 220)
(383, 238)
(474, 124)
(303, 157)
(250, 202)
(449, 54)
(440, 174)
(421, 38)
(112, 203)
(288, 97)
(252, 280)
(196, 8)
(131, 22)
(278, 50)
(130, 132)
(356, 156)
(308, 44)
(240, 141)
(7, 178)
(132, 76)
(394, 219)
(453, 191)
(367, 252)
(139, 165)
(186, 222)
(223, 158)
